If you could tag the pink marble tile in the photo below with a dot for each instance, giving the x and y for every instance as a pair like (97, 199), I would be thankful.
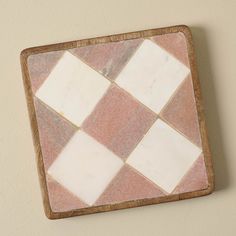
(129, 185)
(195, 179)
(108, 58)
(119, 122)
(175, 44)
(61, 199)
(40, 66)
(54, 132)
(181, 112)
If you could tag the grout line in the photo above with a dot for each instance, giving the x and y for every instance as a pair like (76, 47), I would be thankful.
(54, 111)
(62, 186)
(137, 172)
(131, 56)
(174, 93)
(122, 159)
(61, 56)
(170, 53)
(108, 185)
(182, 134)
(149, 180)
(110, 80)
(78, 58)
(134, 98)
(190, 168)
(145, 133)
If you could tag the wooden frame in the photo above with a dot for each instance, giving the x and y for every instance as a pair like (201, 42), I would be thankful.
(113, 38)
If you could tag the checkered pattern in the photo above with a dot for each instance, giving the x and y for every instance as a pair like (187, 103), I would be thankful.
(120, 136)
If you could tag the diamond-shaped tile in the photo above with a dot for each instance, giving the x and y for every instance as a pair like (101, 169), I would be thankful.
(152, 75)
(119, 121)
(73, 88)
(85, 167)
(164, 156)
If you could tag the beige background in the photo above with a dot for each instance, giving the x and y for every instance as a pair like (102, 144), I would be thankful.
(26, 23)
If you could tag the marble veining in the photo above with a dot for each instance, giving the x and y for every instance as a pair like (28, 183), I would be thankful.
(72, 89)
(85, 167)
(108, 58)
(168, 156)
(152, 75)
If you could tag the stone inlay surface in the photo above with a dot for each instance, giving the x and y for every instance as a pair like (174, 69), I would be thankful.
(72, 89)
(180, 112)
(85, 167)
(164, 156)
(108, 58)
(117, 122)
(149, 71)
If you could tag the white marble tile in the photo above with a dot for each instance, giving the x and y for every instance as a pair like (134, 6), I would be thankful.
(73, 89)
(152, 75)
(164, 156)
(85, 167)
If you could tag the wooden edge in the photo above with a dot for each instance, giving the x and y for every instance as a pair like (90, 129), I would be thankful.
(200, 110)
(114, 38)
(35, 134)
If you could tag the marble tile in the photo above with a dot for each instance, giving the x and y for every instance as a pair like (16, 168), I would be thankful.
(164, 156)
(119, 122)
(85, 167)
(109, 58)
(40, 66)
(181, 113)
(129, 185)
(195, 179)
(54, 132)
(61, 199)
(175, 44)
(72, 89)
(152, 75)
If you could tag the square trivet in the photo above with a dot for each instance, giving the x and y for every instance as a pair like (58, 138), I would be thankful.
(117, 121)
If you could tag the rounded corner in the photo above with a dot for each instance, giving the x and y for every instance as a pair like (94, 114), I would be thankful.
(186, 30)
(51, 215)
(211, 188)
(24, 54)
